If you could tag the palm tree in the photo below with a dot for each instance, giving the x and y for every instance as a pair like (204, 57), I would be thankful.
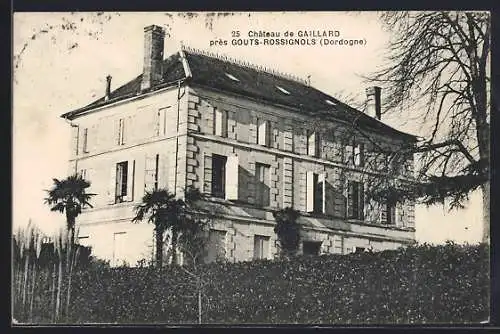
(166, 213)
(69, 196)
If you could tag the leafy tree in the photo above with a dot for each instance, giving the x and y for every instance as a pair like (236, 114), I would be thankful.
(438, 62)
(69, 196)
(288, 230)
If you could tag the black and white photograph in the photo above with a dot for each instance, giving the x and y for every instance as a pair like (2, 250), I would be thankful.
(251, 168)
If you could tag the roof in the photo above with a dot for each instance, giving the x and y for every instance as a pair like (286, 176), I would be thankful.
(218, 73)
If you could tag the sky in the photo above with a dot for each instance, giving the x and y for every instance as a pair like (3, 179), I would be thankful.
(61, 61)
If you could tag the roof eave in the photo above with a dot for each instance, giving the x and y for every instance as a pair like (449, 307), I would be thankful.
(75, 113)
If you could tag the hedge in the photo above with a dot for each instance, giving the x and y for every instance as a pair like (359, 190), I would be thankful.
(414, 285)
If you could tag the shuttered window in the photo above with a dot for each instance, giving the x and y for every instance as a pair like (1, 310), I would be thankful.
(120, 132)
(220, 122)
(262, 184)
(151, 172)
(388, 214)
(359, 155)
(316, 201)
(313, 143)
(219, 176)
(263, 132)
(121, 188)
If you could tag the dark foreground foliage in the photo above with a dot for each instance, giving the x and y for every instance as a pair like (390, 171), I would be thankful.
(421, 284)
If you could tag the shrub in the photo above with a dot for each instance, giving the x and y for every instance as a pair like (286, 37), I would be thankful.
(418, 284)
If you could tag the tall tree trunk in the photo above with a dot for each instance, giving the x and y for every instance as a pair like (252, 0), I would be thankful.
(32, 292)
(53, 293)
(175, 235)
(59, 287)
(159, 246)
(25, 281)
(70, 275)
(485, 189)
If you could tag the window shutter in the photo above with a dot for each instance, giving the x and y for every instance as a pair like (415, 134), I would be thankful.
(362, 154)
(112, 184)
(384, 208)
(350, 193)
(348, 154)
(130, 180)
(268, 133)
(232, 177)
(149, 173)
(163, 171)
(75, 132)
(217, 122)
(207, 173)
(157, 123)
(317, 147)
(361, 201)
(88, 175)
(123, 131)
(118, 131)
(310, 191)
(262, 132)
(311, 143)
(399, 215)
(321, 180)
(224, 117)
(393, 214)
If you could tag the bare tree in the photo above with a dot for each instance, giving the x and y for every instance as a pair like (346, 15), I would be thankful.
(438, 63)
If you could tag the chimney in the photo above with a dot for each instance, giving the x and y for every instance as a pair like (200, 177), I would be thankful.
(108, 88)
(154, 38)
(373, 104)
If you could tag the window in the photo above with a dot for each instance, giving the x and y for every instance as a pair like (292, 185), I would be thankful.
(220, 122)
(85, 140)
(232, 77)
(358, 157)
(311, 247)
(283, 90)
(262, 184)
(359, 249)
(84, 241)
(313, 141)
(315, 184)
(121, 132)
(121, 181)
(260, 247)
(355, 200)
(263, 132)
(219, 175)
(216, 246)
(388, 214)
(119, 248)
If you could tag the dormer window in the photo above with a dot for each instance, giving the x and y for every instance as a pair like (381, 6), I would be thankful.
(283, 90)
(232, 77)
(330, 102)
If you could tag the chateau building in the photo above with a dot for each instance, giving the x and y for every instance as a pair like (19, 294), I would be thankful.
(254, 140)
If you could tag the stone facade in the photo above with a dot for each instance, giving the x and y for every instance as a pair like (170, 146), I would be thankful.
(178, 137)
